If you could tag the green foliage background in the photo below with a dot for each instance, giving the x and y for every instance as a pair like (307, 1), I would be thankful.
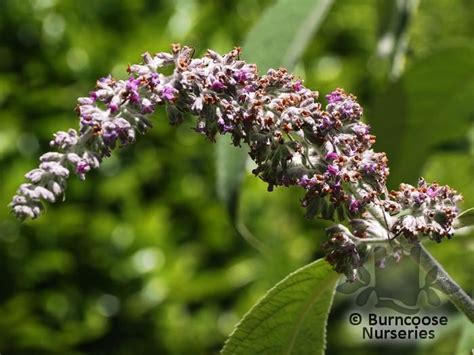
(143, 258)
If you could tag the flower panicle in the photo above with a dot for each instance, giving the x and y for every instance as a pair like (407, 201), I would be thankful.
(294, 138)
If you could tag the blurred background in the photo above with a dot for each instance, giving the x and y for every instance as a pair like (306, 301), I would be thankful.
(142, 258)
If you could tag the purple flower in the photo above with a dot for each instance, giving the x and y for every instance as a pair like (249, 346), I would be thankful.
(113, 107)
(419, 198)
(369, 168)
(336, 187)
(326, 123)
(85, 101)
(335, 96)
(147, 106)
(242, 75)
(93, 96)
(132, 88)
(293, 140)
(354, 205)
(434, 218)
(305, 182)
(82, 167)
(343, 254)
(333, 169)
(332, 156)
(432, 191)
(223, 126)
(297, 86)
(64, 140)
(343, 106)
(217, 85)
(35, 175)
(55, 168)
(168, 92)
(154, 80)
(249, 88)
(132, 84)
(109, 133)
(105, 79)
(361, 129)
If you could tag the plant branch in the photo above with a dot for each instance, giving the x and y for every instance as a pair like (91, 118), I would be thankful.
(428, 263)
(361, 240)
(375, 210)
(445, 283)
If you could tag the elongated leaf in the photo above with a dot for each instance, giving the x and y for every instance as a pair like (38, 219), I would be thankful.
(278, 39)
(395, 18)
(283, 32)
(431, 104)
(230, 169)
(291, 318)
(466, 341)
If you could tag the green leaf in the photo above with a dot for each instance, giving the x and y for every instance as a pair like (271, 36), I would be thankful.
(465, 219)
(291, 318)
(278, 39)
(447, 337)
(283, 32)
(230, 168)
(395, 18)
(466, 342)
(431, 104)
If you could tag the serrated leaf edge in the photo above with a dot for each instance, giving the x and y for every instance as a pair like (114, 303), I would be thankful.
(333, 279)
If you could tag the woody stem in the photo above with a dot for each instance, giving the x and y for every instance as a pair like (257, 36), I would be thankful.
(444, 282)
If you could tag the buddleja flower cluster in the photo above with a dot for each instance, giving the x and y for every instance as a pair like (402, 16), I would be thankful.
(428, 209)
(293, 138)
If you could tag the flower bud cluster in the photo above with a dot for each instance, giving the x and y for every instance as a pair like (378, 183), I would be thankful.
(344, 254)
(293, 138)
(428, 209)
(112, 113)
